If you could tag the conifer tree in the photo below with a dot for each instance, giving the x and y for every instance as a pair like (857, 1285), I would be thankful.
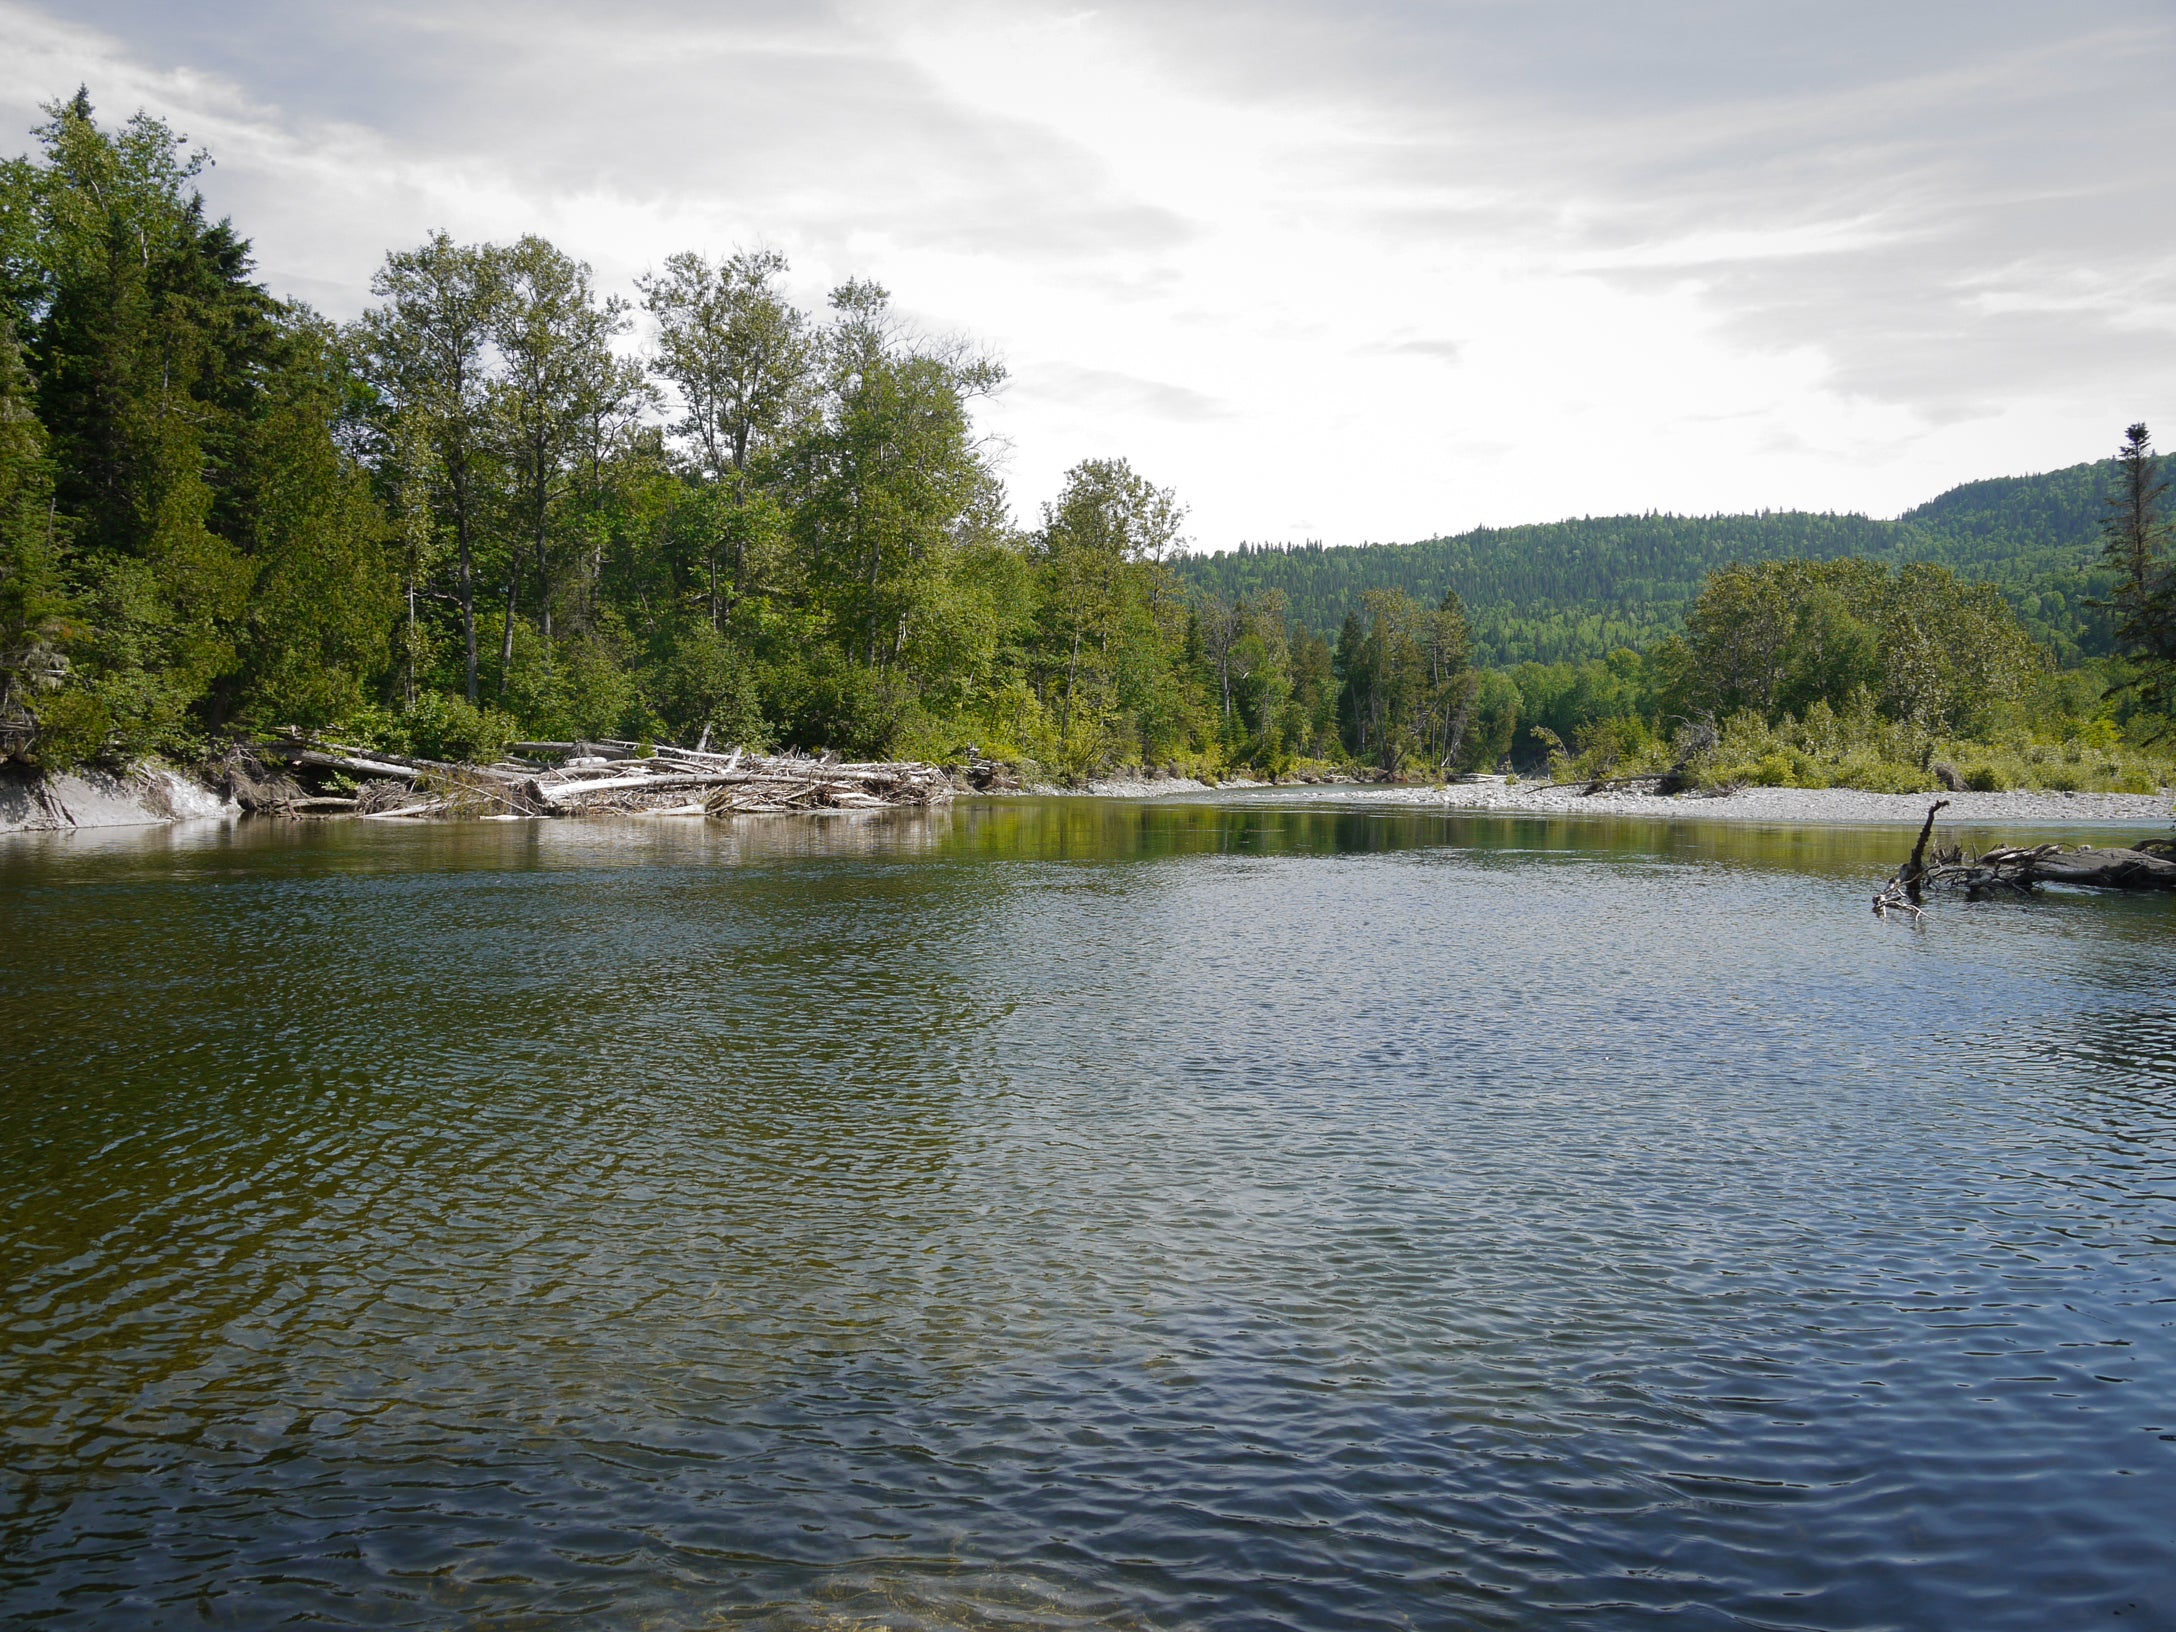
(2135, 540)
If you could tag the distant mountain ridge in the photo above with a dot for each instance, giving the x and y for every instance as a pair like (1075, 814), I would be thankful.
(1570, 590)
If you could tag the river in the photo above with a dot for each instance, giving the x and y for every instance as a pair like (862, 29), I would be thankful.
(1062, 1213)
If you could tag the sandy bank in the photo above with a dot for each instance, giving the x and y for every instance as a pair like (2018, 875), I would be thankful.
(148, 796)
(1779, 805)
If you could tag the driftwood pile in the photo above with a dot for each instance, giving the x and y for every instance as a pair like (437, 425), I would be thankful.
(567, 779)
(2147, 865)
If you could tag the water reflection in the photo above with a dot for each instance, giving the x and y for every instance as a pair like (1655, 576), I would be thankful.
(1053, 1213)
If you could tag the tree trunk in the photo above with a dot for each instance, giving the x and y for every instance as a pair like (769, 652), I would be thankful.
(506, 637)
(1072, 673)
(468, 609)
(543, 585)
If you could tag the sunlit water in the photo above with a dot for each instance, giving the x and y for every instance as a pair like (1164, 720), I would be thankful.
(1062, 1214)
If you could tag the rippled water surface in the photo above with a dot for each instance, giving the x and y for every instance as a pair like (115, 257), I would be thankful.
(1060, 1214)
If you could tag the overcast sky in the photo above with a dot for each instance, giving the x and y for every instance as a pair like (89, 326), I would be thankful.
(1338, 271)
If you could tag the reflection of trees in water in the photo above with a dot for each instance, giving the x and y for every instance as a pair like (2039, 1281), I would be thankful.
(1110, 830)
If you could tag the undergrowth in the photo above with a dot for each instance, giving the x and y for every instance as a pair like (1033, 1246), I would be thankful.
(1863, 750)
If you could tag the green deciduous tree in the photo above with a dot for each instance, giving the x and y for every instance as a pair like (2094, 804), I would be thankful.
(557, 384)
(427, 350)
(888, 484)
(1779, 637)
(740, 358)
(1107, 612)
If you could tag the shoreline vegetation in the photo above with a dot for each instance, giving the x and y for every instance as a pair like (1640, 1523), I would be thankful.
(483, 518)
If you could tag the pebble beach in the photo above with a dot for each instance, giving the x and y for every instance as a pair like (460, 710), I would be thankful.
(1791, 806)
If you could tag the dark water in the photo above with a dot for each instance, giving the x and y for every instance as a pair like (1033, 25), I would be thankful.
(1066, 1214)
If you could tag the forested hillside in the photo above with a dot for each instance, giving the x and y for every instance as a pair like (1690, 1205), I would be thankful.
(1573, 590)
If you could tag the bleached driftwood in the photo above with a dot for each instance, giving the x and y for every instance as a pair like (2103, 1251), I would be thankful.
(591, 778)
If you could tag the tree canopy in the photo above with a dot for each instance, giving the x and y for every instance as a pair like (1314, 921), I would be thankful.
(487, 509)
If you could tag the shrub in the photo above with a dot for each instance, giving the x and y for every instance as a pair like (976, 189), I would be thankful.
(1871, 774)
(442, 726)
(704, 681)
(72, 727)
(1985, 779)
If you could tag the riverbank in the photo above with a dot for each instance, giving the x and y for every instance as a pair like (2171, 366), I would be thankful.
(143, 796)
(1787, 806)
(152, 795)
(303, 777)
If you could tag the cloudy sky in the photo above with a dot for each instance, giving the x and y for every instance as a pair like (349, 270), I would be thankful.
(1340, 271)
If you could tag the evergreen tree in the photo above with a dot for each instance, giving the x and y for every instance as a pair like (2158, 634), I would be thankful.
(149, 345)
(2135, 539)
(39, 711)
(318, 634)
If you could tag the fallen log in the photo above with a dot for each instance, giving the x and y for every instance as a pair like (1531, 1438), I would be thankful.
(2050, 864)
(1660, 782)
(404, 813)
(567, 793)
(2020, 869)
(599, 778)
(352, 765)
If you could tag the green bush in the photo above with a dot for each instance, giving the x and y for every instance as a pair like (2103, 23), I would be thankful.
(704, 681)
(442, 726)
(72, 727)
(1771, 771)
(1870, 773)
(1985, 779)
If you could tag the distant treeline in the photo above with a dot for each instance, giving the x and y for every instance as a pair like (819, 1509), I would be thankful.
(1572, 590)
(472, 516)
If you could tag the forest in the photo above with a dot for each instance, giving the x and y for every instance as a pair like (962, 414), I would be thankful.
(1575, 590)
(482, 512)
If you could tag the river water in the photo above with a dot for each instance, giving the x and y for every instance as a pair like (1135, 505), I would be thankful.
(1056, 1214)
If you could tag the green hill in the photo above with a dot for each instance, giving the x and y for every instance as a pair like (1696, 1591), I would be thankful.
(1570, 590)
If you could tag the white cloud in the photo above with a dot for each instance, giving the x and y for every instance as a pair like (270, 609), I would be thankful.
(1331, 271)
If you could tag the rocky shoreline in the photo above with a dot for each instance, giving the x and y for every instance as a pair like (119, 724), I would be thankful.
(1786, 806)
(152, 795)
